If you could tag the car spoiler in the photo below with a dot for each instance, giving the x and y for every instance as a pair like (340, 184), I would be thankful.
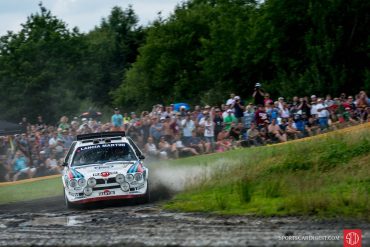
(100, 135)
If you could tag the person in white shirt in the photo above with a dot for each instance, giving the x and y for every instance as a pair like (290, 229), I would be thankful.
(322, 113)
(231, 101)
(188, 126)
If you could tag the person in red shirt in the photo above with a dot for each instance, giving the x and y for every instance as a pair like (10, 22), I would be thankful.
(261, 117)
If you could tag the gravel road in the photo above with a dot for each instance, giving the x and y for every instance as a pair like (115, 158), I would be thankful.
(47, 223)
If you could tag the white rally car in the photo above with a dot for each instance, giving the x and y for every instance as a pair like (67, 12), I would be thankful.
(104, 166)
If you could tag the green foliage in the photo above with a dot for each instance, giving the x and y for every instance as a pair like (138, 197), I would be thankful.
(335, 182)
(207, 49)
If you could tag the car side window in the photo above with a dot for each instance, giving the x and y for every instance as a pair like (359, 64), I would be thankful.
(137, 150)
(66, 159)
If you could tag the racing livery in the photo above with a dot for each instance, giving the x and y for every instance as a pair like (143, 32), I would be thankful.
(104, 166)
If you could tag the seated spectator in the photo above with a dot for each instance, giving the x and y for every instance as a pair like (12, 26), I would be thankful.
(20, 166)
(169, 149)
(253, 136)
(198, 144)
(52, 164)
(291, 130)
(223, 143)
(276, 132)
(182, 149)
(151, 150)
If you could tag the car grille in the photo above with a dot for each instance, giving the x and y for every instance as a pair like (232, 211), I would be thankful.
(109, 181)
(107, 187)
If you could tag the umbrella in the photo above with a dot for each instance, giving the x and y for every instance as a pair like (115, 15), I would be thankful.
(7, 128)
(90, 114)
(177, 106)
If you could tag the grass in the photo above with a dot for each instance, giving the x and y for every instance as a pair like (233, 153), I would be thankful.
(327, 176)
(30, 191)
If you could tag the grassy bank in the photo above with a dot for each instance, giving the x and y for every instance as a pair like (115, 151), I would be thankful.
(31, 190)
(327, 176)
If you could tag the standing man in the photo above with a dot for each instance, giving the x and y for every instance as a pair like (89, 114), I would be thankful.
(117, 121)
(258, 94)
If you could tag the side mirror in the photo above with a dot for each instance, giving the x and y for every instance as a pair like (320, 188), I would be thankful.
(64, 164)
(141, 157)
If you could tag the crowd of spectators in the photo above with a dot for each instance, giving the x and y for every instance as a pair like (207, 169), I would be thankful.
(177, 130)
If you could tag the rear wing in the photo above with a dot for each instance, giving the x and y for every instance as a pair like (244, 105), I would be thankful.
(101, 135)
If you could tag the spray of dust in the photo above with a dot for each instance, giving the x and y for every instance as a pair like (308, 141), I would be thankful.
(165, 179)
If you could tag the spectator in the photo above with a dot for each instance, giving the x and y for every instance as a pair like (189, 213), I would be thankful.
(229, 119)
(117, 121)
(253, 136)
(231, 100)
(151, 150)
(323, 114)
(169, 149)
(156, 129)
(258, 94)
(248, 116)
(182, 149)
(276, 132)
(188, 126)
(238, 109)
(20, 166)
(291, 130)
(261, 117)
(219, 122)
(63, 123)
(25, 125)
(198, 144)
(209, 134)
(267, 100)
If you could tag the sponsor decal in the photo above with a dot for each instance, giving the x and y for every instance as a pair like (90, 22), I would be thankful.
(107, 167)
(107, 193)
(137, 167)
(352, 238)
(72, 173)
(104, 174)
(101, 146)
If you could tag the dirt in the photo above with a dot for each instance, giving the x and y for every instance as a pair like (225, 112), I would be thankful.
(47, 222)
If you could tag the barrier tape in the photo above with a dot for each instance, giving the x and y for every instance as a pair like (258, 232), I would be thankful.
(345, 130)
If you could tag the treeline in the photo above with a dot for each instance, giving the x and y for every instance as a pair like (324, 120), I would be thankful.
(203, 51)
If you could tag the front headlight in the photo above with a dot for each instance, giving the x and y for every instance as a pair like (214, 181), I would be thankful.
(91, 182)
(72, 183)
(120, 178)
(125, 187)
(129, 178)
(88, 191)
(138, 176)
(82, 182)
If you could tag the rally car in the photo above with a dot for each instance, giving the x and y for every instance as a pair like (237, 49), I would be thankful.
(104, 166)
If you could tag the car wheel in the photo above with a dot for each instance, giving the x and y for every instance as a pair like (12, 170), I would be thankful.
(69, 204)
(146, 197)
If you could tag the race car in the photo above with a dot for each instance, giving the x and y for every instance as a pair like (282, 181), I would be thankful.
(104, 166)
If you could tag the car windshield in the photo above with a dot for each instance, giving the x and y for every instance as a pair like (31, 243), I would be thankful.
(103, 153)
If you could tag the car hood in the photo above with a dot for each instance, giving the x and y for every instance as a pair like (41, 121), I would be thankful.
(104, 170)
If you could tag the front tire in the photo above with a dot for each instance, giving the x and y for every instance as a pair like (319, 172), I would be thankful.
(69, 204)
(146, 197)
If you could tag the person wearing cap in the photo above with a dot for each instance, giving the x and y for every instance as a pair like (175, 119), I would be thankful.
(117, 121)
(238, 108)
(229, 119)
(188, 126)
(258, 94)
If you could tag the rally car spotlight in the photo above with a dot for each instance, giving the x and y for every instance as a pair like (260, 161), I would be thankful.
(125, 187)
(138, 176)
(82, 182)
(72, 183)
(91, 182)
(129, 178)
(120, 178)
(88, 191)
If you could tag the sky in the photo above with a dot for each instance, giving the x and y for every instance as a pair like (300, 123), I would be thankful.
(85, 14)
